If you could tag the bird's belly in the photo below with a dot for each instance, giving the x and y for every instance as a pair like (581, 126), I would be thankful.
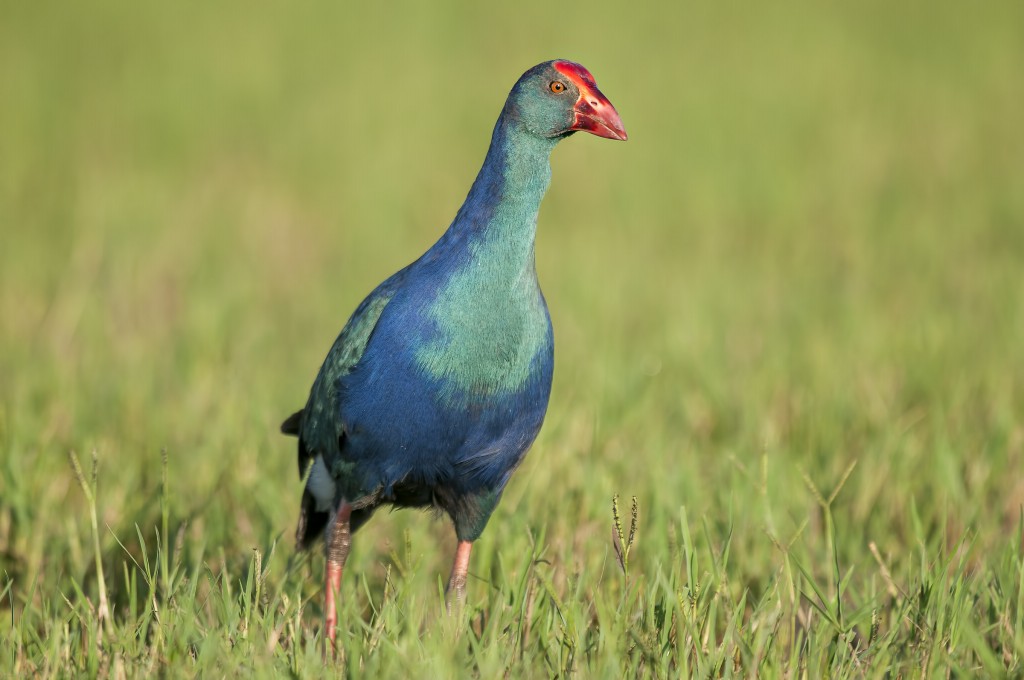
(404, 427)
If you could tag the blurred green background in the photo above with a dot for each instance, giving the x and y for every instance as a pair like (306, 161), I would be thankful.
(809, 255)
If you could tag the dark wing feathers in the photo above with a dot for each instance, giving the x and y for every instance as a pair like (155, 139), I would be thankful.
(314, 425)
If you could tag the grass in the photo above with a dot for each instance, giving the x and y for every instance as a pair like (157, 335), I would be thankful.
(788, 312)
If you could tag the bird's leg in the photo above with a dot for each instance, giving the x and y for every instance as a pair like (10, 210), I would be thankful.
(338, 543)
(457, 581)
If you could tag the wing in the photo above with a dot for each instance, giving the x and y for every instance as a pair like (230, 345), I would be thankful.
(317, 424)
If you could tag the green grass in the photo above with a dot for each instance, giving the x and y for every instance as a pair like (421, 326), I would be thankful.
(789, 317)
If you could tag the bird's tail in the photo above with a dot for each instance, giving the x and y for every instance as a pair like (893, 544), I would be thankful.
(292, 424)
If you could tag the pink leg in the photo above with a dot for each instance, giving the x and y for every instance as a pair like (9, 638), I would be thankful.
(457, 581)
(338, 543)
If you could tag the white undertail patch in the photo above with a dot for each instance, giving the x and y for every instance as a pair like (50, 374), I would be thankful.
(321, 485)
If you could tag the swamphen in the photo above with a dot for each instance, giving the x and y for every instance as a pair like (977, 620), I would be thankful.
(439, 382)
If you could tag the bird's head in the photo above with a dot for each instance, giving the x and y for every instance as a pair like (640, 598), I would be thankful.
(557, 98)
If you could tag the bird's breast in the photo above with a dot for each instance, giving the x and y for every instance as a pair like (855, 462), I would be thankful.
(486, 333)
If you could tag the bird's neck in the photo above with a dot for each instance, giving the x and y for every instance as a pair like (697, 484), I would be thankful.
(501, 208)
(490, 323)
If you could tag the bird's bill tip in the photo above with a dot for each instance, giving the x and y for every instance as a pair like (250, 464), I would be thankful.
(596, 115)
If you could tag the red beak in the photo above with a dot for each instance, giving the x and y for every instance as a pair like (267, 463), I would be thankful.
(596, 115)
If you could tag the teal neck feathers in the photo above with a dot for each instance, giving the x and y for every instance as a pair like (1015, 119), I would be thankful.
(489, 313)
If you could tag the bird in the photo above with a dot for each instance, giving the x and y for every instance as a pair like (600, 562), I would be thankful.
(439, 382)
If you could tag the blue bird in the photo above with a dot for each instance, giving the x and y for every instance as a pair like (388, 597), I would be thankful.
(439, 382)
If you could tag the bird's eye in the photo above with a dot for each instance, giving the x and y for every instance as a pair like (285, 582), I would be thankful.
(557, 86)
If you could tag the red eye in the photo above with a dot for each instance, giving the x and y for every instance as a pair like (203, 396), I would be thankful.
(557, 86)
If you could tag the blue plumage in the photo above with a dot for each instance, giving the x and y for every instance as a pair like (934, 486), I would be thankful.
(439, 382)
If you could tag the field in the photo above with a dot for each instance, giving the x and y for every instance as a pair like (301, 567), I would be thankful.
(789, 318)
